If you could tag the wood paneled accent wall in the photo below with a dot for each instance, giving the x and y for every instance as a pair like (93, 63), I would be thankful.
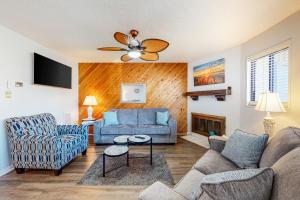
(166, 83)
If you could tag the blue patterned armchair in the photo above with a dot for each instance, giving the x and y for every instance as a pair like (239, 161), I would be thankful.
(36, 142)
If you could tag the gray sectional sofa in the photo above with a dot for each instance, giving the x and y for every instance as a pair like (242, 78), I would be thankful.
(133, 122)
(215, 177)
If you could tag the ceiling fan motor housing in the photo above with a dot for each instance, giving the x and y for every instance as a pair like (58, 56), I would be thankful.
(134, 33)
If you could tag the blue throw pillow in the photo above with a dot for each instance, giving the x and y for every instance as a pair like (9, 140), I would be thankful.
(110, 118)
(245, 149)
(162, 118)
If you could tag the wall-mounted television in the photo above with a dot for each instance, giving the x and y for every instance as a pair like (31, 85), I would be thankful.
(51, 73)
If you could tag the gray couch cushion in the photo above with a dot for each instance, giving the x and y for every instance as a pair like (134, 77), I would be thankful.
(284, 141)
(245, 149)
(189, 185)
(213, 162)
(152, 129)
(246, 184)
(127, 116)
(146, 116)
(117, 130)
(287, 177)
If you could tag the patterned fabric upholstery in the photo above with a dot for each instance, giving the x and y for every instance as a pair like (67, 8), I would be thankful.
(37, 142)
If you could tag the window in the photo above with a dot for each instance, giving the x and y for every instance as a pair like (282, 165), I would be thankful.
(268, 71)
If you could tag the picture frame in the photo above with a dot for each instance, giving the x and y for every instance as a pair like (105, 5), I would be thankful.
(133, 93)
(209, 73)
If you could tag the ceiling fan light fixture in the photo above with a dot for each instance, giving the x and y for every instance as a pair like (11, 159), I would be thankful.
(134, 54)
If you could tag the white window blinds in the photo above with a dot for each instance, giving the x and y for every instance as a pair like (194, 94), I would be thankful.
(268, 73)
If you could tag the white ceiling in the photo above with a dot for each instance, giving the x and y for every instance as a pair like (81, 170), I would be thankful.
(194, 28)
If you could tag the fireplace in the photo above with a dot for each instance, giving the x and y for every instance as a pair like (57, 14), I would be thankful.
(208, 124)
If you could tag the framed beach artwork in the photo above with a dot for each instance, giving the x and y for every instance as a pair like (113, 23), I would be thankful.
(209, 73)
(133, 93)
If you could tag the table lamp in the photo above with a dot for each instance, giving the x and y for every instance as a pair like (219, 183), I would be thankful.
(90, 101)
(269, 102)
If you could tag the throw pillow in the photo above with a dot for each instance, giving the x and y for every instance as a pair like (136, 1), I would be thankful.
(239, 184)
(110, 118)
(162, 118)
(245, 149)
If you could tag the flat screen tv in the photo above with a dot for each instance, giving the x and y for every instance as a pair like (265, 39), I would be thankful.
(51, 73)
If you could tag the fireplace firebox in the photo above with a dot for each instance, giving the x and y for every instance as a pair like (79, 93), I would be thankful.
(208, 124)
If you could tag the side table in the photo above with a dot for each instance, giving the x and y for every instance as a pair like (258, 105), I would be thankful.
(90, 123)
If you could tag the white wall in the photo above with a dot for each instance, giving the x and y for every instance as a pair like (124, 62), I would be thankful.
(208, 104)
(289, 29)
(238, 114)
(16, 64)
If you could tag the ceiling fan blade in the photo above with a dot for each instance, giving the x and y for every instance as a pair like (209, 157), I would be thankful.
(121, 37)
(154, 45)
(126, 58)
(149, 56)
(112, 49)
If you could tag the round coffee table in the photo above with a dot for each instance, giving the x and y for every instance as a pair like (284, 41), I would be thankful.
(135, 140)
(115, 151)
(123, 139)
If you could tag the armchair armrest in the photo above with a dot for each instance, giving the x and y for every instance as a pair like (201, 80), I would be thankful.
(217, 143)
(72, 129)
(160, 191)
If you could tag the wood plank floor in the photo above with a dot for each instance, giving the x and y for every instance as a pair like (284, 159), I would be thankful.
(40, 185)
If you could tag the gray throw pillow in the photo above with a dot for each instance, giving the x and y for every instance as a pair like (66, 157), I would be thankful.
(245, 149)
(243, 184)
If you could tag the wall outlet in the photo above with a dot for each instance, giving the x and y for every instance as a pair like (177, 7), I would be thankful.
(8, 94)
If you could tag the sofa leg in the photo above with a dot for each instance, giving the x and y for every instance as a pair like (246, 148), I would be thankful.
(84, 153)
(20, 170)
(57, 172)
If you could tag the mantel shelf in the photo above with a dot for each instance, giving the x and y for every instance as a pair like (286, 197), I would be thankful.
(219, 94)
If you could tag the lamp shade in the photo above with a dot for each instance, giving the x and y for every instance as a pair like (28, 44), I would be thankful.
(90, 101)
(269, 102)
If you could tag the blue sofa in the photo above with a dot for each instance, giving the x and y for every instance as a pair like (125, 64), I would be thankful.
(136, 121)
(36, 142)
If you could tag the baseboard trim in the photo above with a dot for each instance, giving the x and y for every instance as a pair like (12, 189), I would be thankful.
(6, 170)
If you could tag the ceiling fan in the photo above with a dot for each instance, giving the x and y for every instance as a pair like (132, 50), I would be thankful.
(146, 50)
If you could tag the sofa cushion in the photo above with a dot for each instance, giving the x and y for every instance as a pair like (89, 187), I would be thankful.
(284, 141)
(127, 116)
(240, 184)
(213, 162)
(159, 191)
(287, 176)
(146, 116)
(189, 185)
(245, 149)
(151, 129)
(117, 130)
